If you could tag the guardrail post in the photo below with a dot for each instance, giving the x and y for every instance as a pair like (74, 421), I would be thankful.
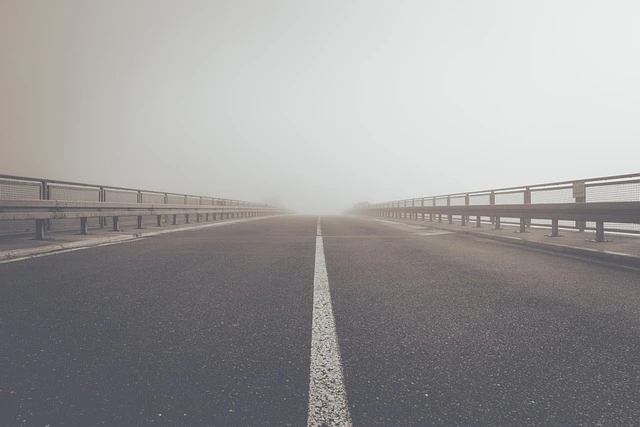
(580, 196)
(527, 201)
(478, 221)
(433, 203)
(175, 219)
(523, 225)
(46, 195)
(554, 228)
(166, 202)
(101, 220)
(600, 231)
(497, 222)
(84, 229)
(466, 203)
(139, 227)
(41, 226)
(422, 205)
(186, 218)
(115, 224)
(158, 220)
(449, 204)
(492, 201)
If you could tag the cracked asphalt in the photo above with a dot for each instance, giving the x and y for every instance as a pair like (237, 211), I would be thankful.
(213, 327)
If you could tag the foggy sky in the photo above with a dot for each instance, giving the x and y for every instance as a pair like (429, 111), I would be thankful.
(319, 104)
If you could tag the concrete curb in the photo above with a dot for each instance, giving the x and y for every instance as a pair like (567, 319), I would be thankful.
(12, 254)
(614, 257)
(609, 256)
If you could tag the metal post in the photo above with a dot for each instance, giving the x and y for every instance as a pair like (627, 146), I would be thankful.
(466, 203)
(422, 205)
(115, 224)
(41, 226)
(175, 219)
(600, 231)
(433, 203)
(158, 220)
(139, 222)
(101, 220)
(523, 225)
(554, 228)
(497, 223)
(527, 201)
(449, 204)
(186, 218)
(478, 221)
(580, 196)
(492, 201)
(46, 195)
(84, 229)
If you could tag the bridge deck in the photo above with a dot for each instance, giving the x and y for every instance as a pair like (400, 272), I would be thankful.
(214, 327)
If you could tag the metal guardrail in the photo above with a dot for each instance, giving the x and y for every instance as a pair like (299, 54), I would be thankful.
(48, 202)
(602, 204)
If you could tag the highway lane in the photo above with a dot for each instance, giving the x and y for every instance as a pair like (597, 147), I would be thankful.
(454, 330)
(194, 328)
(213, 327)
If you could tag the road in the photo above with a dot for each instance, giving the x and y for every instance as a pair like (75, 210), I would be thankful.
(217, 326)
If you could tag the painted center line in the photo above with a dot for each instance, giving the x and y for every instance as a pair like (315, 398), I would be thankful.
(327, 394)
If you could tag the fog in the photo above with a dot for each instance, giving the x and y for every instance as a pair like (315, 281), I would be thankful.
(319, 104)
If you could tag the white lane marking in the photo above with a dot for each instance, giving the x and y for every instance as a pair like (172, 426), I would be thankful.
(64, 251)
(6, 261)
(327, 394)
(136, 237)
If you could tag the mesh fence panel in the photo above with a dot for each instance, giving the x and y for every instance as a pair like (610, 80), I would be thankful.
(154, 198)
(120, 196)
(614, 193)
(174, 199)
(510, 198)
(480, 199)
(19, 190)
(457, 201)
(441, 201)
(562, 195)
(74, 194)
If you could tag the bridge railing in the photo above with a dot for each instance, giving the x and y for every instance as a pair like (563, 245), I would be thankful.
(37, 205)
(601, 204)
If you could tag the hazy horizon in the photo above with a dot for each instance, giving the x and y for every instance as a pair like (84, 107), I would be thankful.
(319, 105)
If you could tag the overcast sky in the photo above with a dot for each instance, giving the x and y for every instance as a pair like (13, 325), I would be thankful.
(319, 104)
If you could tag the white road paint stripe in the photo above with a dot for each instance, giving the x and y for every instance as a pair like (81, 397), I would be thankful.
(6, 261)
(8, 256)
(327, 394)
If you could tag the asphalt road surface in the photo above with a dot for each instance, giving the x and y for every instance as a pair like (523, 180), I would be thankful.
(229, 326)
